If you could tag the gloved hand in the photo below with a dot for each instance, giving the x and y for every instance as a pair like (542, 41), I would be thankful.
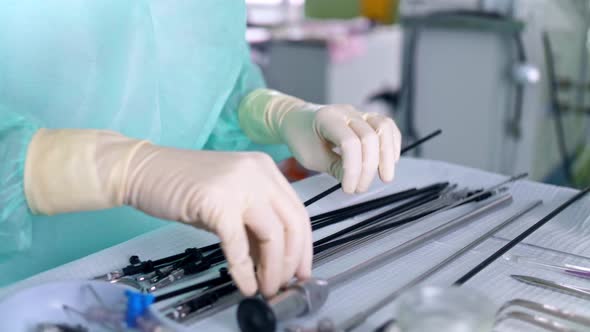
(350, 145)
(241, 197)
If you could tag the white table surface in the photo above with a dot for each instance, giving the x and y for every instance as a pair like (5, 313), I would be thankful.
(564, 239)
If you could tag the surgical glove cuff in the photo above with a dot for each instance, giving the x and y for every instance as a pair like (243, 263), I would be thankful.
(261, 114)
(74, 170)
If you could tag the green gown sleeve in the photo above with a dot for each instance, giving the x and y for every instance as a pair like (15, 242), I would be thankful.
(227, 134)
(16, 131)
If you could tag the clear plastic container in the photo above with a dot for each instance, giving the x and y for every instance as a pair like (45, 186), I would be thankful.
(453, 309)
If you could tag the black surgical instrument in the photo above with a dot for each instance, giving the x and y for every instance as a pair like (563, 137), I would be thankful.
(404, 150)
(188, 308)
(255, 314)
(521, 237)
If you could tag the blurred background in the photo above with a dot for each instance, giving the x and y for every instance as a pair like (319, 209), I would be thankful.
(507, 80)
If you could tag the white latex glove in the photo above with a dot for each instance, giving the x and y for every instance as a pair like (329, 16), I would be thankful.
(365, 143)
(241, 197)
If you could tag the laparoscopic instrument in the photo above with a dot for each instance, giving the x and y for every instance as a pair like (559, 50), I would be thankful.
(151, 276)
(361, 317)
(255, 314)
(521, 237)
(356, 320)
(535, 320)
(406, 212)
(569, 269)
(545, 309)
(555, 286)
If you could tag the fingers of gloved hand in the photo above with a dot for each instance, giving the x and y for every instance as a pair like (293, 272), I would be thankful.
(390, 141)
(234, 242)
(296, 221)
(268, 230)
(370, 153)
(348, 168)
(295, 218)
(303, 271)
(294, 234)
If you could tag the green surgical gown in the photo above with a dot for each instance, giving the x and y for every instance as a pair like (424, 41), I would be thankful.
(172, 72)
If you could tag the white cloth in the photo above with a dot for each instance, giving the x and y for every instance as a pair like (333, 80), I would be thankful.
(568, 232)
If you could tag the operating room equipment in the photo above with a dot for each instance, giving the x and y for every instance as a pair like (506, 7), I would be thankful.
(138, 266)
(459, 203)
(546, 309)
(535, 246)
(573, 270)
(535, 320)
(384, 224)
(209, 294)
(363, 315)
(194, 306)
(93, 305)
(255, 314)
(384, 229)
(400, 211)
(223, 278)
(521, 237)
(185, 308)
(149, 267)
(442, 208)
(169, 270)
(332, 217)
(410, 147)
(328, 218)
(554, 286)
(154, 275)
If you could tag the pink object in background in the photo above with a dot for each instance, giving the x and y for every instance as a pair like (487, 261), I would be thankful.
(346, 48)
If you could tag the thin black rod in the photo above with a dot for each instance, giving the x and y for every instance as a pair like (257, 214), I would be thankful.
(364, 205)
(372, 231)
(419, 201)
(404, 150)
(336, 218)
(520, 238)
(474, 197)
(322, 195)
(198, 286)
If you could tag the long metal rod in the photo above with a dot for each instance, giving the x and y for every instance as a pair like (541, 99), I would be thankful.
(569, 269)
(432, 208)
(555, 251)
(361, 317)
(521, 237)
(386, 229)
(377, 261)
(305, 297)
(538, 321)
(547, 309)
(348, 247)
(469, 199)
(554, 286)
